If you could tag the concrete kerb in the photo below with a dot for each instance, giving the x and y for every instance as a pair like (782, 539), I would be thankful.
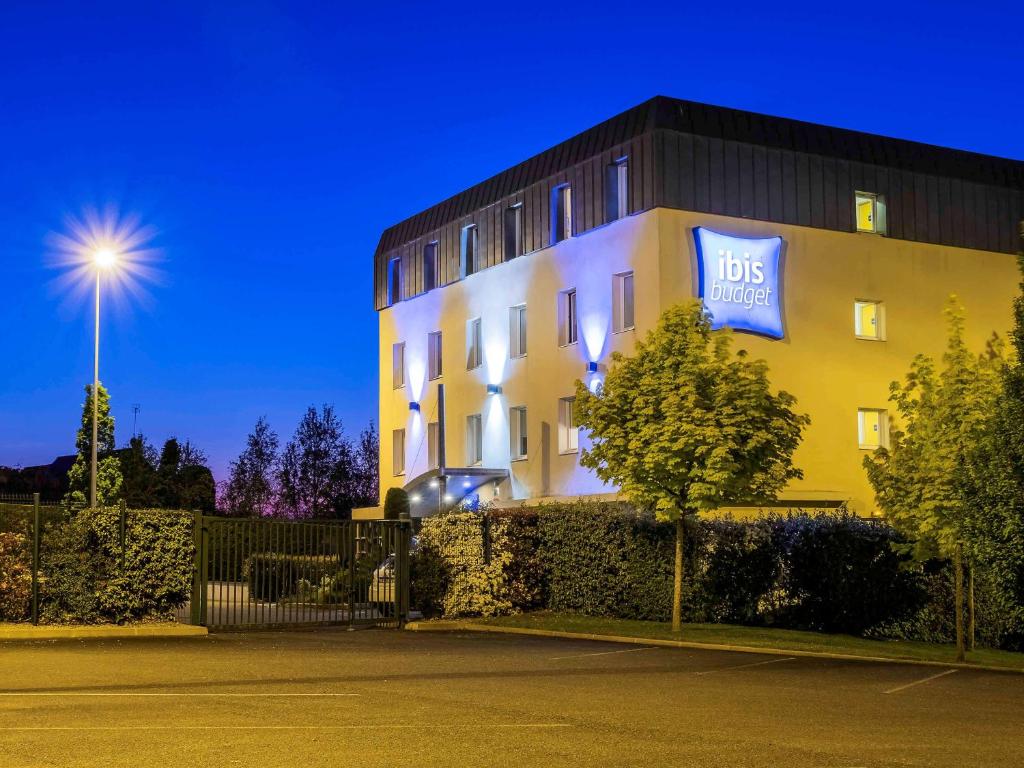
(17, 632)
(455, 626)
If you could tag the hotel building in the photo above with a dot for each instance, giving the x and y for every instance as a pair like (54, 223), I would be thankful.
(831, 252)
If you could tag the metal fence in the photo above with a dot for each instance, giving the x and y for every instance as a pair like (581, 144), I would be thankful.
(253, 573)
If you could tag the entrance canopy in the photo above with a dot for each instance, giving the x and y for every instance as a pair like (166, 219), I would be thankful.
(440, 489)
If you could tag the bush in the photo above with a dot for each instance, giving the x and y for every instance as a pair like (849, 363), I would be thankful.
(272, 575)
(15, 577)
(396, 501)
(738, 568)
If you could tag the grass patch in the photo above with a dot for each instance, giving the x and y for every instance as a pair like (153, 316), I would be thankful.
(756, 637)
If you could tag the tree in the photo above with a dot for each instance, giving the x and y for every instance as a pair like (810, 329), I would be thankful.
(923, 481)
(396, 501)
(108, 474)
(685, 426)
(363, 489)
(252, 487)
(314, 465)
(183, 480)
(138, 467)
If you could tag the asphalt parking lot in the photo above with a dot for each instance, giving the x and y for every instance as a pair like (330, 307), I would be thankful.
(388, 698)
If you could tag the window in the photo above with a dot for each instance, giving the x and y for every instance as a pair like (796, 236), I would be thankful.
(872, 428)
(433, 445)
(616, 190)
(398, 451)
(870, 212)
(468, 248)
(517, 331)
(431, 265)
(474, 440)
(622, 302)
(394, 281)
(567, 333)
(568, 434)
(513, 232)
(517, 432)
(473, 344)
(434, 369)
(868, 320)
(561, 213)
(398, 365)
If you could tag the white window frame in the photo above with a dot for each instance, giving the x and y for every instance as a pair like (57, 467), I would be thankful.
(433, 445)
(561, 213)
(517, 331)
(474, 440)
(568, 325)
(623, 283)
(568, 432)
(474, 343)
(435, 351)
(469, 250)
(398, 452)
(879, 223)
(513, 214)
(518, 433)
(398, 365)
(858, 330)
(883, 428)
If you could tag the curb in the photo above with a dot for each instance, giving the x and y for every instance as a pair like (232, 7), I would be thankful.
(16, 632)
(455, 626)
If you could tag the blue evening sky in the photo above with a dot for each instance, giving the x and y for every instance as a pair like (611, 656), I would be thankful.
(269, 143)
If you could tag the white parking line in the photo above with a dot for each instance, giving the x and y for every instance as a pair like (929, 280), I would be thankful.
(60, 694)
(920, 682)
(603, 653)
(744, 666)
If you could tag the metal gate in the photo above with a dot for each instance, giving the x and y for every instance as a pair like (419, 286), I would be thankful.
(252, 573)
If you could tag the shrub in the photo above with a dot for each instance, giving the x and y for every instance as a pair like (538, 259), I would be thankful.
(273, 575)
(15, 577)
(396, 501)
(739, 564)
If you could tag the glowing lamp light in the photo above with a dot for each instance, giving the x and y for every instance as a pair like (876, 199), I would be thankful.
(414, 406)
(415, 498)
(494, 389)
(448, 497)
(104, 258)
(434, 483)
(466, 483)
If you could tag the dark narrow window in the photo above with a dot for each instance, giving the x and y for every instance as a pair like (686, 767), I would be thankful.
(469, 250)
(561, 213)
(513, 232)
(394, 280)
(616, 190)
(431, 265)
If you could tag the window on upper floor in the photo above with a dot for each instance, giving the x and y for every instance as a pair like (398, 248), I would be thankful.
(517, 432)
(622, 302)
(869, 320)
(431, 265)
(474, 344)
(513, 226)
(468, 251)
(398, 365)
(474, 440)
(616, 190)
(872, 428)
(870, 212)
(433, 445)
(567, 333)
(568, 432)
(434, 368)
(398, 451)
(517, 331)
(394, 280)
(561, 213)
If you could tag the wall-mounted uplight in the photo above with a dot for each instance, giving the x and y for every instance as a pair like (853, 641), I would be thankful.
(414, 406)
(592, 366)
(494, 389)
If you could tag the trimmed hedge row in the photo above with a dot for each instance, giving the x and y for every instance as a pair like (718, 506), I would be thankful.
(828, 572)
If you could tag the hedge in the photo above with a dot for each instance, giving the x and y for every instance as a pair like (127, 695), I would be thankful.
(15, 577)
(828, 572)
(272, 575)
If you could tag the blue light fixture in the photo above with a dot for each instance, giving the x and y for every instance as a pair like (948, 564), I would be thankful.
(494, 389)
(414, 406)
(592, 366)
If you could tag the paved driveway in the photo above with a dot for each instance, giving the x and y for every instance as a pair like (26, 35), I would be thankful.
(386, 698)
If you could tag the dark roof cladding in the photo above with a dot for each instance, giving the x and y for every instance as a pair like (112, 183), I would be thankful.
(666, 114)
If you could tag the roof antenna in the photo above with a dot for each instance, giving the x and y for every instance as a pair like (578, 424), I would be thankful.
(135, 419)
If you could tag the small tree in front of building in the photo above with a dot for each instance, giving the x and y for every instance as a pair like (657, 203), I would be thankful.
(685, 425)
(923, 480)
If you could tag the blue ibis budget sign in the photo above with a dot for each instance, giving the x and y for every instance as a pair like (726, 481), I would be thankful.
(739, 281)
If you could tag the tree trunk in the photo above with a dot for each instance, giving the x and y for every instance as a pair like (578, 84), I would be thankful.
(958, 597)
(971, 627)
(677, 582)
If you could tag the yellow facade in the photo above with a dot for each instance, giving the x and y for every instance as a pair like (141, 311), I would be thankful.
(825, 359)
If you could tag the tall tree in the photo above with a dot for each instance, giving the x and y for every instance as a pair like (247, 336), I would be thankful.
(138, 467)
(366, 483)
(685, 426)
(923, 481)
(313, 465)
(108, 475)
(252, 487)
(183, 480)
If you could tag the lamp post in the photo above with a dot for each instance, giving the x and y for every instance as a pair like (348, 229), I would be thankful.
(103, 259)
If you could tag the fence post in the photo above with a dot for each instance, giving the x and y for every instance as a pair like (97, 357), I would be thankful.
(198, 560)
(404, 535)
(35, 558)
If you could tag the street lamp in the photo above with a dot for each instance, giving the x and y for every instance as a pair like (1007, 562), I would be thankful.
(104, 260)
